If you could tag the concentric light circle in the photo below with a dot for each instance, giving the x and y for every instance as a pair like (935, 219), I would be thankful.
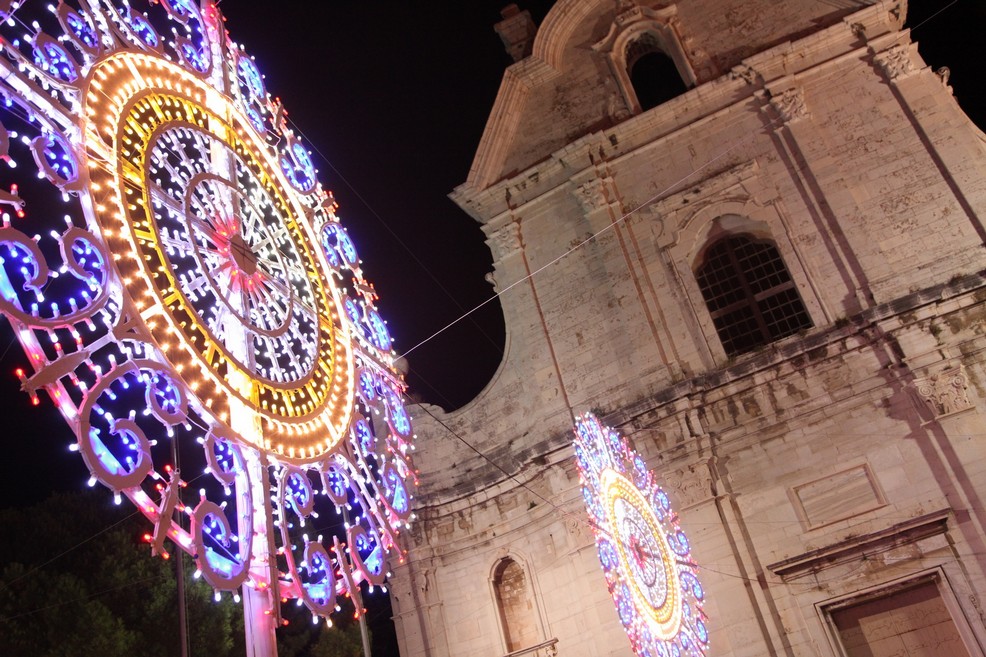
(219, 263)
(644, 554)
(177, 276)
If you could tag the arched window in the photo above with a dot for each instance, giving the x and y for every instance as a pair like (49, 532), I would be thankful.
(515, 603)
(653, 75)
(749, 293)
(647, 57)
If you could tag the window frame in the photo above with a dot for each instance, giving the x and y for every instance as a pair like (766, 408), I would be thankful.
(633, 25)
(648, 85)
(934, 576)
(750, 298)
(540, 627)
(737, 199)
(683, 241)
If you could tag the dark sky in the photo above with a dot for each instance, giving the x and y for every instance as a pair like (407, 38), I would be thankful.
(393, 97)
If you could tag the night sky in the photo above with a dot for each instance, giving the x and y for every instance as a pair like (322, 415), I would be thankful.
(392, 98)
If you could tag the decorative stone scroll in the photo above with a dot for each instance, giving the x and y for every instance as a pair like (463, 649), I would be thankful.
(689, 485)
(896, 62)
(790, 104)
(504, 241)
(594, 194)
(946, 392)
(746, 73)
(579, 531)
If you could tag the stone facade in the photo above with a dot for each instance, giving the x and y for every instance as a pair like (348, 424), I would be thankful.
(833, 475)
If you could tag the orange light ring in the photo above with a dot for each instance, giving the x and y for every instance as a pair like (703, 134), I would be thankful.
(302, 419)
(665, 621)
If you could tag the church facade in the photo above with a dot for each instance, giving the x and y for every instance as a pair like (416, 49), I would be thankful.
(749, 235)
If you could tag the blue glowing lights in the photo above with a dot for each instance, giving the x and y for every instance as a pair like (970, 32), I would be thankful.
(644, 554)
(177, 277)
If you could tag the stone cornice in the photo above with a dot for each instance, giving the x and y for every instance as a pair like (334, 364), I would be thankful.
(923, 304)
(889, 317)
(850, 549)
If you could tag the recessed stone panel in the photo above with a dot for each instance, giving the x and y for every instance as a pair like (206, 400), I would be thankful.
(838, 496)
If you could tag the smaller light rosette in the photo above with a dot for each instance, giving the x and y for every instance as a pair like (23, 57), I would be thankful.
(644, 553)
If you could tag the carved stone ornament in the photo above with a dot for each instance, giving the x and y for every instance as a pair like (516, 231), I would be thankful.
(504, 241)
(594, 194)
(617, 108)
(689, 486)
(677, 212)
(578, 528)
(945, 392)
(417, 534)
(627, 12)
(790, 104)
(744, 72)
(896, 62)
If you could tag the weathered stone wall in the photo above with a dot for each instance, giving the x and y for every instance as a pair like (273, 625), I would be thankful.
(832, 462)
(568, 89)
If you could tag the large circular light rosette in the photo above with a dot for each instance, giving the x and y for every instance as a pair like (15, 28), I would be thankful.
(644, 553)
(177, 276)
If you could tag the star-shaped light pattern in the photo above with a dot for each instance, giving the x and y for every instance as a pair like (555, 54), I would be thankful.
(644, 552)
(177, 276)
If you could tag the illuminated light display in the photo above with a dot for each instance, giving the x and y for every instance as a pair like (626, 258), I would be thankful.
(176, 274)
(644, 553)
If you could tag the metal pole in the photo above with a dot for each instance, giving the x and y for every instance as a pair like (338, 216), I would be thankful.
(182, 603)
(365, 633)
(180, 565)
(261, 609)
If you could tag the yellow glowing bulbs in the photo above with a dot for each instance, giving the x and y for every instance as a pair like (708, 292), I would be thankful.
(224, 255)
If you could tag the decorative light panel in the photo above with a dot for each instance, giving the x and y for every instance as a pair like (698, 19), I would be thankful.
(176, 276)
(644, 553)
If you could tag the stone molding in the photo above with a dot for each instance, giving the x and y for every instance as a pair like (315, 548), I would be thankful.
(594, 194)
(578, 529)
(746, 73)
(689, 485)
(856, 547)
(674, 213)
(547, 648)
(837, 496)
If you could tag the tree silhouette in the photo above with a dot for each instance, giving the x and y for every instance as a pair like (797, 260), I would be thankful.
(77, 580)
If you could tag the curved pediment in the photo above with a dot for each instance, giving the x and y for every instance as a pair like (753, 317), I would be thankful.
(577, 79)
